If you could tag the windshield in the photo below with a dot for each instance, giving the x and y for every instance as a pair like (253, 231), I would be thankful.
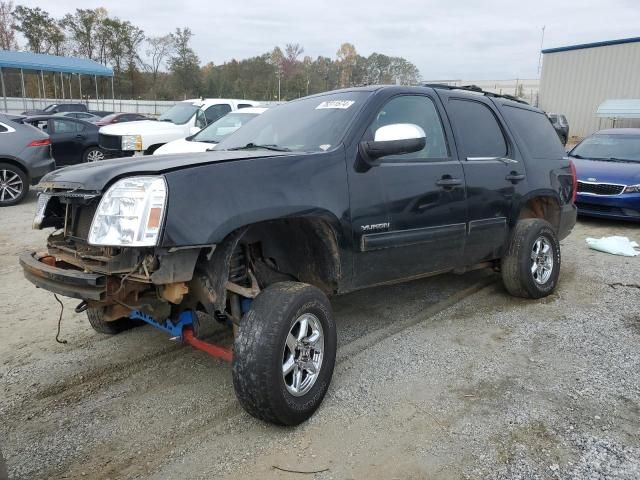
(48, 108)
(179, 113)
(309, 125)
(606, 147)
(219, 129)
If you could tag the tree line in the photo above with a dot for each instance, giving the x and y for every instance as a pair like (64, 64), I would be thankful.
(166, 67)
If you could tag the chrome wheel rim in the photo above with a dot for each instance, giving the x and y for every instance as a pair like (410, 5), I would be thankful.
(95, 155)
(11, 185)
(541, 260)
(303, 354)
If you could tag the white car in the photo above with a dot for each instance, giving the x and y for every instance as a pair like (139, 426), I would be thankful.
(208, 137)
(183, 119)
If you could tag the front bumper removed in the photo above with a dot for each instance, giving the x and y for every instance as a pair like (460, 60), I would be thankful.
(45, 271)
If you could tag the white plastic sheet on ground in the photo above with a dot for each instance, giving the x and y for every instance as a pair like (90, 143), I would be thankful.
(615, 245)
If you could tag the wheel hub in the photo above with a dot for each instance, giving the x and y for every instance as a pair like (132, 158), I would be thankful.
(541, 260)
(10, 185)
(303, 354)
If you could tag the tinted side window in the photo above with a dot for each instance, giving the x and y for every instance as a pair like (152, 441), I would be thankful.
(420, 111)
(477, 129)
(3, 128)
(538, 134)
(64, 126)
(215, 112)
(244, 105)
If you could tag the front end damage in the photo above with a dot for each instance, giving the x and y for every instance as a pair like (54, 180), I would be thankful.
(155, 281)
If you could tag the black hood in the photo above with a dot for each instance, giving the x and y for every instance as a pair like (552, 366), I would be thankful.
(95, 176)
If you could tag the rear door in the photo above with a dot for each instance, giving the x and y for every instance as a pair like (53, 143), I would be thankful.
(493, 169)
(67, 140)
(408, 214)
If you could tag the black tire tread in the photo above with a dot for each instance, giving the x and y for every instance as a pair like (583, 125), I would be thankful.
(514, 277)
(255, 344)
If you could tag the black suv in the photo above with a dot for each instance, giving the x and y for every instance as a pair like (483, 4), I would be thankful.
(317, 197)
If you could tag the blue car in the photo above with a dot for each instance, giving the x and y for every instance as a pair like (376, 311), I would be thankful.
(608, 171)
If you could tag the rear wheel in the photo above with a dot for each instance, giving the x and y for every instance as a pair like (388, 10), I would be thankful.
(284, 353)
(14, 185)
(531, 266)
(100, 325)
(93, 154)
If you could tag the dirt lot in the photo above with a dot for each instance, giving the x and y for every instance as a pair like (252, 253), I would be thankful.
(443, 378)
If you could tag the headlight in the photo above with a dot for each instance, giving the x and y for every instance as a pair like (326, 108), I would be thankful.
(130, 214)
(131, 142)
(632, 189)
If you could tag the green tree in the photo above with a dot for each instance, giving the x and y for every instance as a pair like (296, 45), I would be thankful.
(34, 24)
(184, 64)
(84, 27)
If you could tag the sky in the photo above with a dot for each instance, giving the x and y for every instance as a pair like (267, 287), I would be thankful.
(460, 39)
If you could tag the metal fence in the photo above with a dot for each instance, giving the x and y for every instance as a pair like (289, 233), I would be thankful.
(17, 105)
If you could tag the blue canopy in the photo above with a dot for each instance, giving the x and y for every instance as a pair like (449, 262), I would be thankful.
(52, 63)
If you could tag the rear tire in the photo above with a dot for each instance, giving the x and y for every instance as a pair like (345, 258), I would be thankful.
(14, 185)
(284, 353)
(100, 325)
(93, 154)
(531, 267)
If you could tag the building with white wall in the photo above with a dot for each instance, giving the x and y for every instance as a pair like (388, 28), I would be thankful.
(577, 79)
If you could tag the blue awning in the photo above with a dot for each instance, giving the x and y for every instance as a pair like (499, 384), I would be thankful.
(52, 63)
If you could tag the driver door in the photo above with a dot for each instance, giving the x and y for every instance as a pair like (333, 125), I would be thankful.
(409, 213)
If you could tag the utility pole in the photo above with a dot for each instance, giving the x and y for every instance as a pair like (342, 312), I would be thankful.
(540, 54)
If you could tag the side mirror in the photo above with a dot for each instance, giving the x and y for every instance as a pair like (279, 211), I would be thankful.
(394, 139)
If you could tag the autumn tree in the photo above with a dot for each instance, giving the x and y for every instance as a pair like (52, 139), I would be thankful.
(83, 27)
(7, 27)
(34, 24)
(158, 50)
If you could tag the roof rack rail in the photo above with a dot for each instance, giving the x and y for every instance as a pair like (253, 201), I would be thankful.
(476, 89)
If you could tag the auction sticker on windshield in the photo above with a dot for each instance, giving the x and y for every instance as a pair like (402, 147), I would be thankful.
(341, 104)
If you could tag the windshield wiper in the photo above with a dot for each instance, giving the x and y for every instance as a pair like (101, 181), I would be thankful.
(251, 145)
(575, 155)
(166, 120)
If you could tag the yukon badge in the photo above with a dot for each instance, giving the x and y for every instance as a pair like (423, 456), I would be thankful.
(375, 226)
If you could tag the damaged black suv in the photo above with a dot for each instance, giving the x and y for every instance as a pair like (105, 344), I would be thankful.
(316, 197)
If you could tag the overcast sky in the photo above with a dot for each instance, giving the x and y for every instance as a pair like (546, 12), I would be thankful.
(445, 39)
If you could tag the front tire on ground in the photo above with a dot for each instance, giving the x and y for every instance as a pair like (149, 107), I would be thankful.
(14, 185)
(284, 353)
(100, 325)
(531, 266)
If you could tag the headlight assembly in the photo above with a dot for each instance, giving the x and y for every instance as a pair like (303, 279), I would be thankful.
(130, 214)
(132, 142)
(632, 189)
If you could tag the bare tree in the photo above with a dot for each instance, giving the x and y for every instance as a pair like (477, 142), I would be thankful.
(158, 51)
(7, 27)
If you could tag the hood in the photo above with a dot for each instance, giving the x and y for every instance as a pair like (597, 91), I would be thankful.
(33, 112)
(95, 176)
(183, 146)
(625, 173)
(140, 127)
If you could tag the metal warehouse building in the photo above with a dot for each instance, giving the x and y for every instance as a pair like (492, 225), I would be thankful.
(577, 79)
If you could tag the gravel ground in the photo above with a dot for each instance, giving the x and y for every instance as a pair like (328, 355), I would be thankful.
(442, 378)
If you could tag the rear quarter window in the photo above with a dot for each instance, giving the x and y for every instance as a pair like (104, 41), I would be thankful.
(535, 130)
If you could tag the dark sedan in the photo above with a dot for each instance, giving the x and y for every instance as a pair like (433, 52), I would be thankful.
(72, 140)
(608, 170)
(120, 118)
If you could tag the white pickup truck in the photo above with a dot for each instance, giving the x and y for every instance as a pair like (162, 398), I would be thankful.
(182, 120)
